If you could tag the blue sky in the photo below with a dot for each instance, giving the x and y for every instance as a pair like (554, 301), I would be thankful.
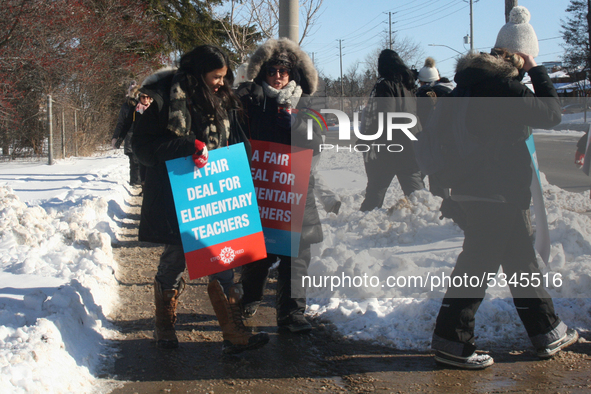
(363, 26)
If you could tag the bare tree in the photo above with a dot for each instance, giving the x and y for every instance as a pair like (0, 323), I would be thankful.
(407, 49)
(79, 52)
(239, 23)
(310, 9)
(267, 16)
(266, 13)
(246, 22)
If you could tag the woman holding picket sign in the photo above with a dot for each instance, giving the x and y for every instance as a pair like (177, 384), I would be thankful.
(194, 111)
(283, 75)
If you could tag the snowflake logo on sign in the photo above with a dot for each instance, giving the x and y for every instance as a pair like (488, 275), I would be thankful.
(227, 255)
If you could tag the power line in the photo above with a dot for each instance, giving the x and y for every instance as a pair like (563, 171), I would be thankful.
(434, 20)
(412, 21)
(414, 8)
(364, 42)
(423, 15)
(347, 35)
(551, 38)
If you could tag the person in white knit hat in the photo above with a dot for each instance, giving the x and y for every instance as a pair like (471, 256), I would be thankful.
(428, 73)
(495, 197)
(518, 35)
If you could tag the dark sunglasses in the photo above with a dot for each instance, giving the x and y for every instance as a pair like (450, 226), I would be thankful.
(272, 71)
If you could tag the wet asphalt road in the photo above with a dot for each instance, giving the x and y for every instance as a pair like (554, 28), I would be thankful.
(556, 158)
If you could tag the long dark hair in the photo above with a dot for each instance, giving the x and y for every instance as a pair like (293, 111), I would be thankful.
(392, 67)
(201, 60)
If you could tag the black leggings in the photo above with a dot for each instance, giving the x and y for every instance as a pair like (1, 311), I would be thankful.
(496, 234)
(382, 170)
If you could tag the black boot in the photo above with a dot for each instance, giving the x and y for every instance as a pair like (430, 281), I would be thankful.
(254, 279)
(290, 311)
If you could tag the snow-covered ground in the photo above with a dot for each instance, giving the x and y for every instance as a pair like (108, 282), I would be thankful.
(58, 276)
(57, 273)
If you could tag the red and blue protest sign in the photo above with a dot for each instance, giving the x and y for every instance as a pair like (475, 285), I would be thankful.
(217, 211)
(281, 174)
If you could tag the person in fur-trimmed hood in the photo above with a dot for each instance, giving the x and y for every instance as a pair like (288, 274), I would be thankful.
(194, 111)
(500, 112)
(283, 76)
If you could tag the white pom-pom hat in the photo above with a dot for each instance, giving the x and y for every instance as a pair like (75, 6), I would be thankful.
(518, 35)
(429, 73)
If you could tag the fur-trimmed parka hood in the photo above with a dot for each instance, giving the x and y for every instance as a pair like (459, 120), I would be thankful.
(132, 96)
(157, 85)
(303, 71)
(475, 67)
(158, 76)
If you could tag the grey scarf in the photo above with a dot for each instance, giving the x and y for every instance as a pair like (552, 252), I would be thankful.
(288, 96)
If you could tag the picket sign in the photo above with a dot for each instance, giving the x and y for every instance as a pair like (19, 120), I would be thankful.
(281, 174)
(217, 211)
(542, 244)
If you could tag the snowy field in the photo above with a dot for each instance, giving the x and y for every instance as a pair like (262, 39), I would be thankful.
(58, 276)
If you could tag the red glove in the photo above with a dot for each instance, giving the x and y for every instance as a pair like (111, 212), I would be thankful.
(579, 158)
(200, 155)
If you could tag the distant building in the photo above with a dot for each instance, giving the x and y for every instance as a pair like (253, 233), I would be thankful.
(555, 65)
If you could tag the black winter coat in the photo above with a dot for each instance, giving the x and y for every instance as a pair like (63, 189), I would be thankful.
(153, 145)
(505, 123)
(427, 96)
(261, 124)
(124, 124)
(391, 96)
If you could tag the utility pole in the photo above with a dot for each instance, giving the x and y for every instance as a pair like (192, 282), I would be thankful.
(63, 135)
(509, 5)
(471, 24)
(289, 20)
(390, 28)
(50, 131)
(471, 28)
(75, 133)
(341, 62)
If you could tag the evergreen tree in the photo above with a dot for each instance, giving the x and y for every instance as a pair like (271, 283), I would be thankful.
(187, 23)
(575, 32)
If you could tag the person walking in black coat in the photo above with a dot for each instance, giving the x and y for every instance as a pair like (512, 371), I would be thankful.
(432, 88)
(283, 75)
(393, 92)
(123, 132)
(495, 199)
(194, 111)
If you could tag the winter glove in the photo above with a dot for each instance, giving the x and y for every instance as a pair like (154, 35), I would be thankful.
(284, 118)
(579, 158)
(200, 155)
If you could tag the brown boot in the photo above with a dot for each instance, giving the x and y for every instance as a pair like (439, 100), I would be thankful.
(166, 302)
(237, 337)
